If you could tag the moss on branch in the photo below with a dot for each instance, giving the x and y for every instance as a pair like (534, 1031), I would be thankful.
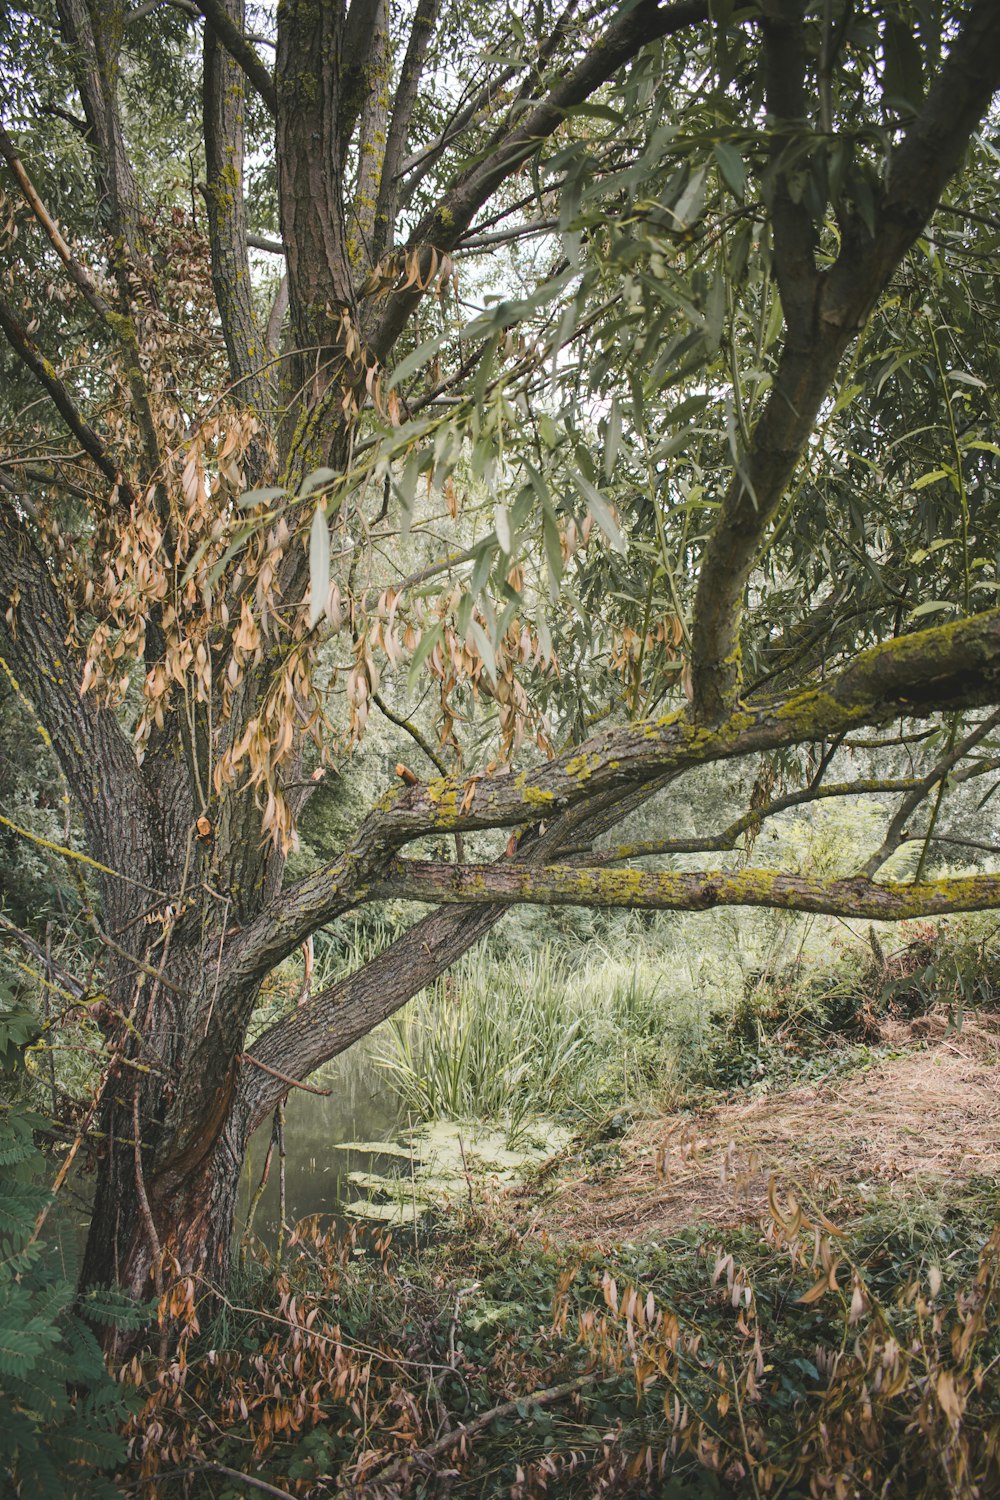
(560, 885)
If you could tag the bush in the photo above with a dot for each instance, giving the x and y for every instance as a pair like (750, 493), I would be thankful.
(60, 1411)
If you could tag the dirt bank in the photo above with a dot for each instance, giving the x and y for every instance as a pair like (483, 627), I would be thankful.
(925, 1113)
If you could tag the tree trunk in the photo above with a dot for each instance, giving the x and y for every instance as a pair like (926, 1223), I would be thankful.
(181, 1216)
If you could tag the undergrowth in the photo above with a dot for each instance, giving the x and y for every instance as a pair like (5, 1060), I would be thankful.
(60, 1412)
(806, 1024)
(803, 1358)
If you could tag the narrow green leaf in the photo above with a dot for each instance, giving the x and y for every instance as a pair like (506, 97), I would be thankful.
(613, 441)
(553, 550)
(485, 648)
(317, 478)
(413, 361)
(932, 476)
(932, 606)
(732, 167)
(501, 524)
(251, 498)
(428, 641)
(601, 512)
(687, 210)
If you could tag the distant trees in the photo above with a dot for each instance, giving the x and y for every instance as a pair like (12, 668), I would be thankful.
(628, 380)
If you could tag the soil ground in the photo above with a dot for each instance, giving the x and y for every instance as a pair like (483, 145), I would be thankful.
(927, 1113)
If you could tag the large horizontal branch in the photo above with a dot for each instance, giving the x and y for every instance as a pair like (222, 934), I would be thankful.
(560, 885)
(945, 667)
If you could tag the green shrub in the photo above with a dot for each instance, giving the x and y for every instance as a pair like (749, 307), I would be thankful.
(60, 1411)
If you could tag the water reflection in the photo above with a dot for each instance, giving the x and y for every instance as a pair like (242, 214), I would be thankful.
(360, 1107)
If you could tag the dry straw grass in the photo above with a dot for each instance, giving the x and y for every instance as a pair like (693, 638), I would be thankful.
(927, 1115)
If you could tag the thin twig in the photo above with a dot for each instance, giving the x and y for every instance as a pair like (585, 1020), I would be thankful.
(469, 1429)
(255, 1484)
(293, 1083)
(146, 1212)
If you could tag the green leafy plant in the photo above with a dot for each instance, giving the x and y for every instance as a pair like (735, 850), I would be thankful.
(60, 1410)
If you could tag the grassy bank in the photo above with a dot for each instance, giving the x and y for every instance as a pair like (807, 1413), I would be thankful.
(670, 1011)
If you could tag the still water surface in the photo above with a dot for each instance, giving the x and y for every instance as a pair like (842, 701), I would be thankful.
(359, 1107)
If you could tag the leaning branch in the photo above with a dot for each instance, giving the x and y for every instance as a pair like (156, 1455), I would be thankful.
(421, 31)
(896, 832)
(240, 50)
(222, 113)
(817, 337)
(43, 371)
(558, 885)
(121, 327)
(78, 275)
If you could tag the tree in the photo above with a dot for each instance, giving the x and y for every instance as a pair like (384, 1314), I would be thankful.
(704, 471)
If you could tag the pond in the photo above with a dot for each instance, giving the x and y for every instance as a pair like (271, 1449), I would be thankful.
(360, 1106)
(353, 1154)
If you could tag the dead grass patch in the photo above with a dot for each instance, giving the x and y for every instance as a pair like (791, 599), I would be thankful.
(929, 1115)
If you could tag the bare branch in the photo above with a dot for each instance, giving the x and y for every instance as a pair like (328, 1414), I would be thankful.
(750, 821)
(121, 327)
(277, 315)
(231, 281)
(45, 374)
(80, 278)
(421, 32)
(413, 731)
(896, 833)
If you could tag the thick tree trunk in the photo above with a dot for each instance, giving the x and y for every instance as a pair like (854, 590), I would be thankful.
(183, 1215)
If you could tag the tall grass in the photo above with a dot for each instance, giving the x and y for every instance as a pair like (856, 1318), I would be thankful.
(657, 1011)
(538, 1033)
